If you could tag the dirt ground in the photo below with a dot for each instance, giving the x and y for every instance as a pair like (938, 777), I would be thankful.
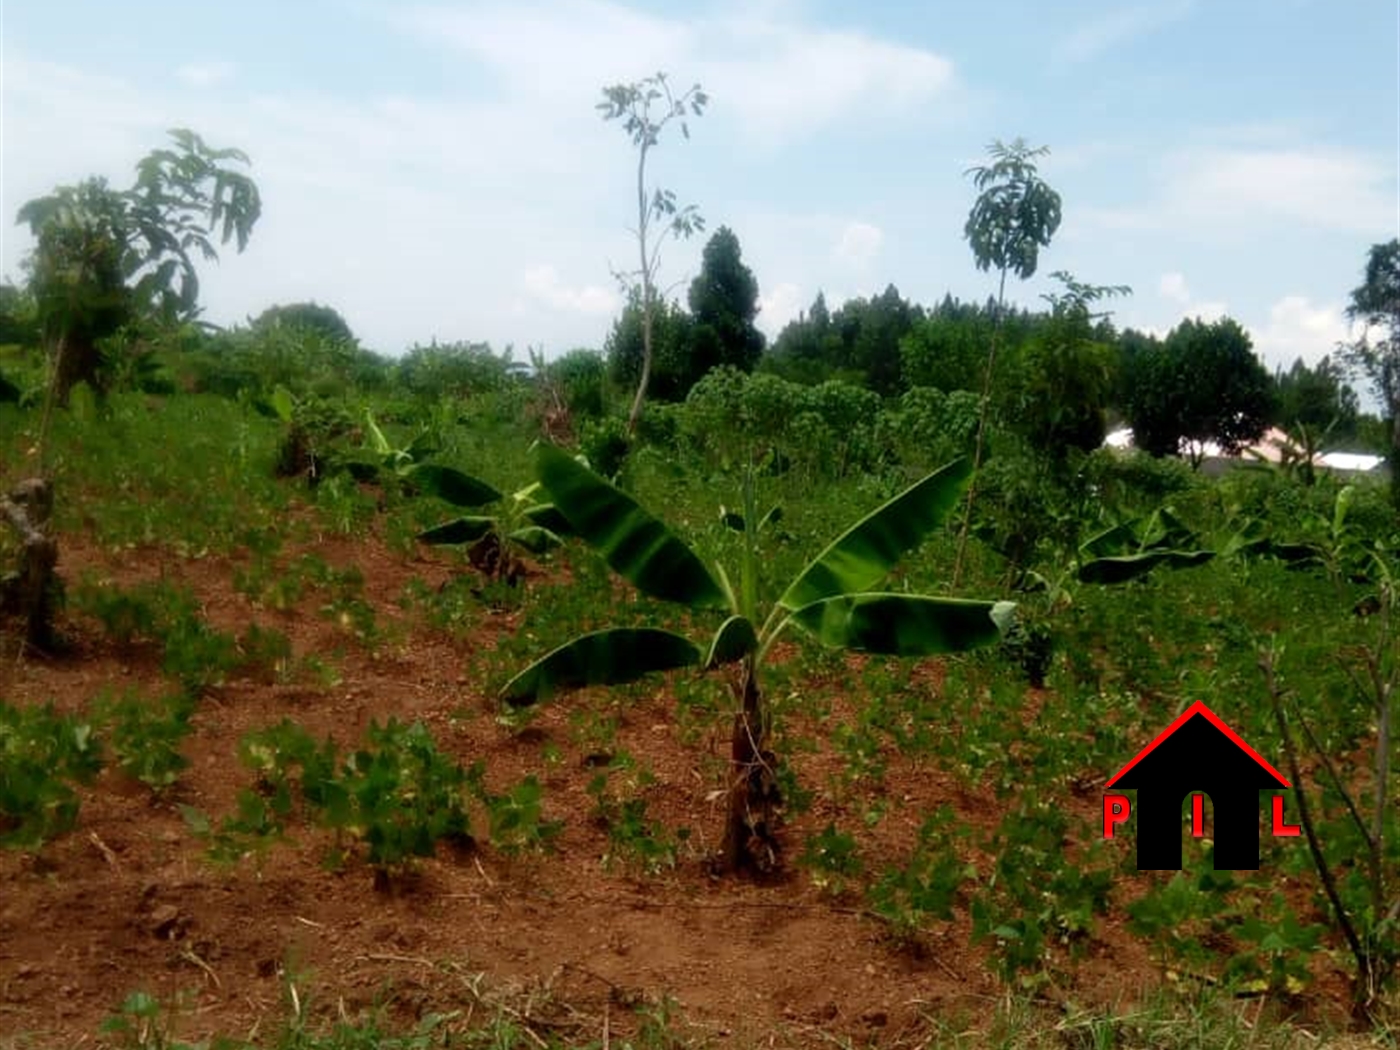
(128, 901)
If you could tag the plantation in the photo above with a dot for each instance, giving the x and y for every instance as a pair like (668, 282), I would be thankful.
(437, 701)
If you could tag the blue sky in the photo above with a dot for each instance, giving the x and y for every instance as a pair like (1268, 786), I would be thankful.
(438, 169)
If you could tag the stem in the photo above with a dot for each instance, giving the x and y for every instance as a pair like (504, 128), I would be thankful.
(1324, 870)
(981, 432)
(1383, 685)
(645, 378)
(748, 836)
(50, 398)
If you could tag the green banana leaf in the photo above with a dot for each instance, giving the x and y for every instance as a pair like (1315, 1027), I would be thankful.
(609, 657)
(865, 553)
(1122, 568)
(638, 546)
(547, 516)
(1115, 540)
(904, 624)
(451, 485)
(734, 640)
(535, 539)
(467, 529)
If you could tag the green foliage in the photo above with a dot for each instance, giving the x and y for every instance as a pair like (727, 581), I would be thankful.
(832, 858)
(1016, 213)
(197, 655)
(105, 257)
(325, 321)
(723, 306)
(1376, 354)
(925, 888)
(457, 370)
(397, 795)
(42, 755)
(671, 338)
(145, 735)
(1203, 383)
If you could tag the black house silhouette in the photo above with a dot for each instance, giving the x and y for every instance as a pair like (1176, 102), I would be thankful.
(1198, 752)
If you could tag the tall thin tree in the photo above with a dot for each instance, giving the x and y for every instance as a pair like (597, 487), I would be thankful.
(645, 108)
(1015, 215)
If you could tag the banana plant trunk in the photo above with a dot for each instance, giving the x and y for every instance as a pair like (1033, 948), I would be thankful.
(750, 842)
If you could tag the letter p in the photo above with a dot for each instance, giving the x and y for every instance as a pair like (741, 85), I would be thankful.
(1116, 810)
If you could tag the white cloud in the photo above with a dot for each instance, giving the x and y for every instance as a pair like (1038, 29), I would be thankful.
(757, 65)
(858, 244)
(542, 283)
(1173, 286)
(204, 74)
(781, 305)
(1296, 328)
(1092, 38)
(1229, 192)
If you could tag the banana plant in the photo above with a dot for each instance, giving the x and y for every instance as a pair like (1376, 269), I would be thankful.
(524, 522)
(832, 600)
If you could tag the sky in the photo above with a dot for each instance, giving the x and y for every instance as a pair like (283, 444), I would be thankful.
(439, 170)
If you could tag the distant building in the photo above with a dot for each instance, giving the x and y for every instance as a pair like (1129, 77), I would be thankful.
(1269, 448)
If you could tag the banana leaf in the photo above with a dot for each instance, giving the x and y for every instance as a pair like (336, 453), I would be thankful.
(865, 553)
(734, 640)
(904, 624)
(1122, 568)
(609, 657)
(451, 485)
(467, 529)
(637, 546)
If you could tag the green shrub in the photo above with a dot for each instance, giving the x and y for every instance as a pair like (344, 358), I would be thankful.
(42, 754)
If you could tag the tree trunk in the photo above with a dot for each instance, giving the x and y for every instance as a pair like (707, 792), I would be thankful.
(750, 842)
(78, 361)
(32, 591)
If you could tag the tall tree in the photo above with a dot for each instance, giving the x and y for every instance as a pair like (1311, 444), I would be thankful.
(1202, 383)
(723, 306)
(106, 257)
(1376, 354)
(1316, 397)
(645, 108)
(1015, 215)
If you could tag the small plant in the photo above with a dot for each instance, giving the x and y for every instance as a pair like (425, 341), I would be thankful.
(631, 836)
(524, 523)
(397, 795)
(927, 887)
(145, 735)
(516, 818)
(42, 754)
(832, 858)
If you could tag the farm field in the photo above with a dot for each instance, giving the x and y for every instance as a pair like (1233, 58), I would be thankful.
(263, 787)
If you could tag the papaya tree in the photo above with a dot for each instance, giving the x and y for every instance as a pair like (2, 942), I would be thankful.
(106, 258)
(832, 601)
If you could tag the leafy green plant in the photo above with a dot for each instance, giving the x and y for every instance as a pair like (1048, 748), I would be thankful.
(832, 858)
(523, 523)
(42, 754)
(145, 735)
(516, 818)
(830, 600)
(928, 885)
(623, 813)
